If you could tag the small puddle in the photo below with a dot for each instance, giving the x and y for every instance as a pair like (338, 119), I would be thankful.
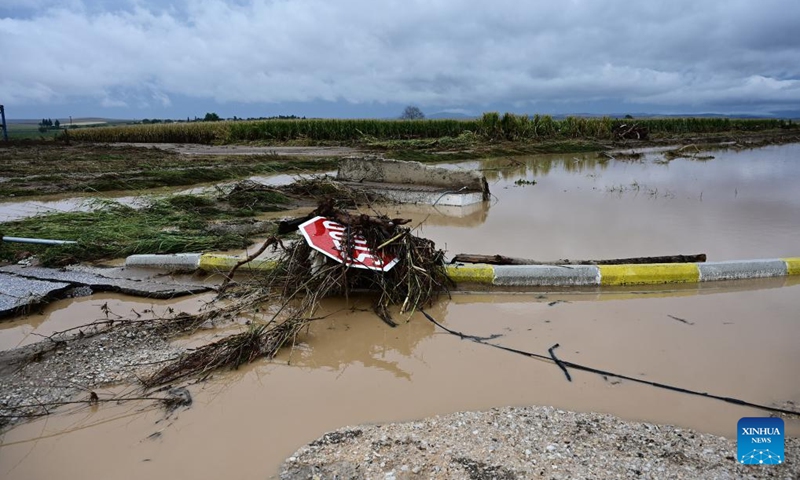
(13, 210)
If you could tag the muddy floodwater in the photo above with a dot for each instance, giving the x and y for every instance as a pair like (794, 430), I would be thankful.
(736, 339)
(738, 205)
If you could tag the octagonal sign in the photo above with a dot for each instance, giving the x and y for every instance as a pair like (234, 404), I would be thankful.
(327, 237)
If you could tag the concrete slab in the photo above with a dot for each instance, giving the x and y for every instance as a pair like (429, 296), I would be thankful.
(18, 294)
(413, 182)
(734, 270)
(546, 275)
(25, 286)
(376, 169)
(419, 194)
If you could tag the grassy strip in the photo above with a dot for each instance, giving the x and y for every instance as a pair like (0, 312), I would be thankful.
(490, 127)
(172, 225)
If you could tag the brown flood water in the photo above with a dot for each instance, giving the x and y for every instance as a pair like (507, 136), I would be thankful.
(354, 369)
(742, 340)
(739, 205)
(70, 313)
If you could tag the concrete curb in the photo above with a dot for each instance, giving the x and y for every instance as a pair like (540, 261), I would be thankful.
(530, 275)
(176, 261)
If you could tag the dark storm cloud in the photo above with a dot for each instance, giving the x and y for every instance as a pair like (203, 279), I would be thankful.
(714, 55)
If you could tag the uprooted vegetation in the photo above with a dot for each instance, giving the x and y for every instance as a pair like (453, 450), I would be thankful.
(692, 152)
(43, 168)
(180, 223)
(322, 187)
(280, 304)
(303, 277)
(217, 220)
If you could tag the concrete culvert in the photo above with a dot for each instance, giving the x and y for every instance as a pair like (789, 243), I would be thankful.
(376, 170)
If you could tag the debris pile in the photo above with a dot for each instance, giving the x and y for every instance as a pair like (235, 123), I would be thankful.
(322, 188)
(413, 279)
(630, 132)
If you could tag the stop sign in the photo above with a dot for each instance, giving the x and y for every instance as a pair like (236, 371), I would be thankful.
(328, 237)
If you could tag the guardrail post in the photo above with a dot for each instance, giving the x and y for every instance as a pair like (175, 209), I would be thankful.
(5, 128)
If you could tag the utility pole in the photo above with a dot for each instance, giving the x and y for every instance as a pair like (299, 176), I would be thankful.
(5, 128)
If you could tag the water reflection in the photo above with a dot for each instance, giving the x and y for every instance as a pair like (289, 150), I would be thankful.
(742, 204)
(541, 165)
(357, 336)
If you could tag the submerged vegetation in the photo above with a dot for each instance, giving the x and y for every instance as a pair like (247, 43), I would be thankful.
(490, 127)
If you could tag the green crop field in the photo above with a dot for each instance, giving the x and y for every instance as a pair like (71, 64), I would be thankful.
(21, 131)
(491, 126)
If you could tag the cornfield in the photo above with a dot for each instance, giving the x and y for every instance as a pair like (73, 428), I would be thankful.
(491, 126)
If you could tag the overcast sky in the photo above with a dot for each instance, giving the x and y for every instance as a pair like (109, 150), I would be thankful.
(369, 58)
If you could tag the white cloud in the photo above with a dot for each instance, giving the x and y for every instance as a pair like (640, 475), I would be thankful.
(441, 52)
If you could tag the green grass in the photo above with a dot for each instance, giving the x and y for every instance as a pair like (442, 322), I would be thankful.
(172, 225)
(24, 131)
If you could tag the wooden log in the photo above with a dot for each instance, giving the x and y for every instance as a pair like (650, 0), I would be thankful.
(503, 260)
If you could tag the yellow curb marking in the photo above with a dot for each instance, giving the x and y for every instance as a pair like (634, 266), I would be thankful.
(471, 274)
(649, 274)
(792, 265)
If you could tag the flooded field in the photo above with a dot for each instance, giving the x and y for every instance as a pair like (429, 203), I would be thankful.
(734, 339)
(738, 205)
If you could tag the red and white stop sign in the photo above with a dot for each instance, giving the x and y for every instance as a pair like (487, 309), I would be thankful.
(328, 237)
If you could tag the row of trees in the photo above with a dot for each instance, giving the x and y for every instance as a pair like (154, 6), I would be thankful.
(410, 113)
(213, 117)
(48, 124)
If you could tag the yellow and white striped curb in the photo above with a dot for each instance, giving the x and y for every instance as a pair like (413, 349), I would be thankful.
(529, 275)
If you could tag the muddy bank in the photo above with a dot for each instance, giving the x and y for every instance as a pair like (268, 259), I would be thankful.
(47, 168)
(103, 342)
(199, 149)
(526, 442)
